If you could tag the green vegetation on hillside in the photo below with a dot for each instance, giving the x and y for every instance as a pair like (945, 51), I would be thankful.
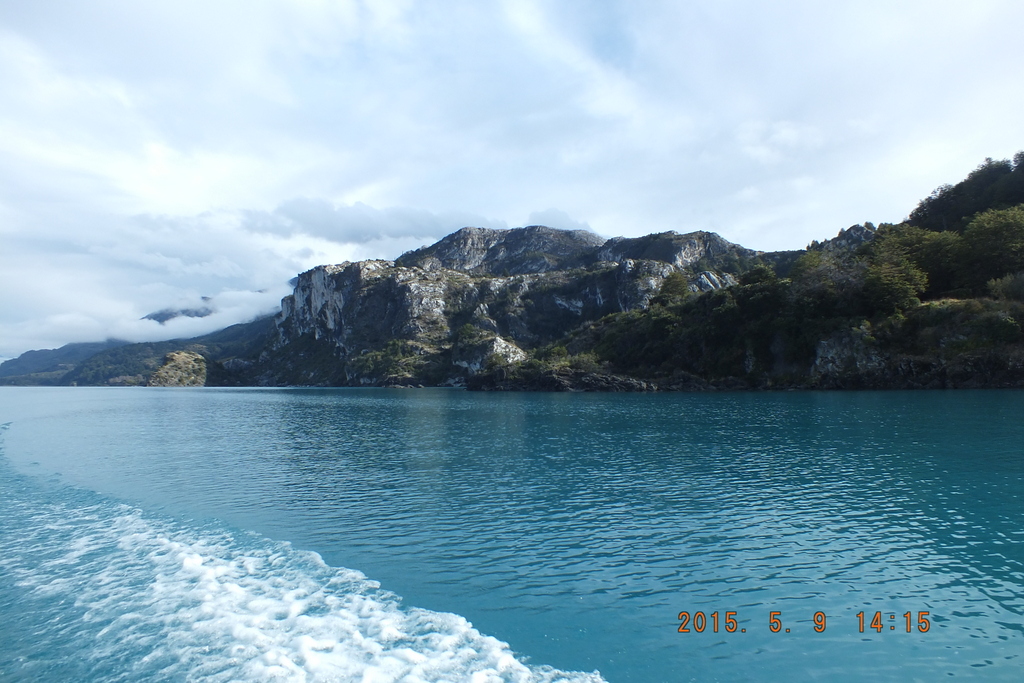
(52, 363)
(942, 284)
(993, 185)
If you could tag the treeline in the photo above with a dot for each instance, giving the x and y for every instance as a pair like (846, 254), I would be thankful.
(965, 240)
(993, 185)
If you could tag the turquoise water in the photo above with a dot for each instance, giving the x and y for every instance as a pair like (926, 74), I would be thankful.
(427, 535)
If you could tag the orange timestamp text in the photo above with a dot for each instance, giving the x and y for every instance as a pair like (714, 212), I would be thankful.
(700, 622)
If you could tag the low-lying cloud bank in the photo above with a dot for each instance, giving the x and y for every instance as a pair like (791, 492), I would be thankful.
(90, 285)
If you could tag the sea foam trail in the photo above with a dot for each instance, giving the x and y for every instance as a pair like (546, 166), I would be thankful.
(101, 591)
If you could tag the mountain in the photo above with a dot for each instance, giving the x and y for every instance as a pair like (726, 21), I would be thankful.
(994, 184)
(440, 314)
(934, 302)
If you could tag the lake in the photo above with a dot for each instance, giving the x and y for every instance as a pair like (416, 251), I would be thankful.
(430, 534)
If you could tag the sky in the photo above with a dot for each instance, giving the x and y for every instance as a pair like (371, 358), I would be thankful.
(155, 153)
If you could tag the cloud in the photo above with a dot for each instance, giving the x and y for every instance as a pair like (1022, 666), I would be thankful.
(360, 223)
(71, 282)
(157, 151)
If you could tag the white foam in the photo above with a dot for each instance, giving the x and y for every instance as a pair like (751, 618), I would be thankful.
(174, 602)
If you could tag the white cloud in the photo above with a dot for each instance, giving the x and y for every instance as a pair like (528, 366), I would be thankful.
(151, 152)
(556, 218)
(78, 284)
(361, 223)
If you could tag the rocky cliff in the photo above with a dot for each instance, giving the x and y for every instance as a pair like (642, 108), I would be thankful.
(945, 345)
(441, 313)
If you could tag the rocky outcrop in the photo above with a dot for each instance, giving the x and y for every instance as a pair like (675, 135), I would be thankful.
(180, 369)
(474, 356)
(845, 354)
(539, 249)
(853, 359)
(847, 240)
(989, 369)
(358, 306)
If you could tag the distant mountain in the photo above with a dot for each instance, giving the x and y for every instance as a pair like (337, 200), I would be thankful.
(55, 360)
(166, 314)
(125, 364)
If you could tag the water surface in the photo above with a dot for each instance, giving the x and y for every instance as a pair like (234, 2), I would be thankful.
(573, 527)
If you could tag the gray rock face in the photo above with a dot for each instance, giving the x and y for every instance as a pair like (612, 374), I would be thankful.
(847, 240)
(360, 306)
(848, 360)
(475, 356)
(538, 249)
(523, 288)
(682, 251)
(846, 353)
(535, 249)
(707, 280)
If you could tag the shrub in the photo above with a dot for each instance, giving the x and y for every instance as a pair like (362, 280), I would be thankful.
(1010, 287)
(893, 285)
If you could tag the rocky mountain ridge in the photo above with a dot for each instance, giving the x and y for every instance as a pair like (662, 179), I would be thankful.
(488, 251)
(445, 309)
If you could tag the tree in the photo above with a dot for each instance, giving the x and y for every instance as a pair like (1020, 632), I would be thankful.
(935, 253)
(675, 289)
(993, 246)
(893, 284)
